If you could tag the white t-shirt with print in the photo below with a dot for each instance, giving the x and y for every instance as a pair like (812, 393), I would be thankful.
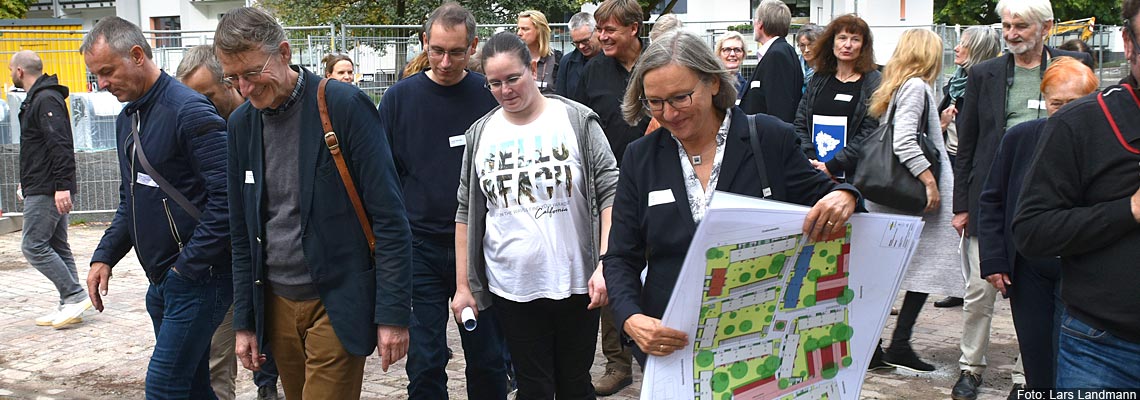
(537, 241)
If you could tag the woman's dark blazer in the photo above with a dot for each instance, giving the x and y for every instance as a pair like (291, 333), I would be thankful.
(659, 235)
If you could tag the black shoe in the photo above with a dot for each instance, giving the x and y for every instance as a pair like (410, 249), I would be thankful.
(268, 392)
(903, 356)
(949, 301)
(877, 360)
(967, 386)
(1015, 392)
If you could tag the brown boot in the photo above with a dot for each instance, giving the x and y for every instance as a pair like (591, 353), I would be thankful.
(612, 382)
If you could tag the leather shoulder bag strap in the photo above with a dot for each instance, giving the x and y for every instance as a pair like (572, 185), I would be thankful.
(754, 138)
(154, 175)
(334, 148)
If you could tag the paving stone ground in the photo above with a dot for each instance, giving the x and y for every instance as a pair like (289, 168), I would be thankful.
(106, 356)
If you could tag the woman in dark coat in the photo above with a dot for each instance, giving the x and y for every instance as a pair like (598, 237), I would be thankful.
(667, 180)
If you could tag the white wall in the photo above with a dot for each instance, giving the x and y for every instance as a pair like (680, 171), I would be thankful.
(194, 16)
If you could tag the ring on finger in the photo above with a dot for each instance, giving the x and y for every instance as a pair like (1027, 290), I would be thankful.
(830, 223)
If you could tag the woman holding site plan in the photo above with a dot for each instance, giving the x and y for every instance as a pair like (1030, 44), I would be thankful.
(667, 180)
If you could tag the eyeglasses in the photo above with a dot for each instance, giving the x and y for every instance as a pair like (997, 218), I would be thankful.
(251, 76)
(730, 50)
(677, 102)
(584, 42)
(454, 54)
(496, 86)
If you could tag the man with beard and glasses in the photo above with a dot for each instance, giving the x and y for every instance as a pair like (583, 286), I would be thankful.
(1000, 93)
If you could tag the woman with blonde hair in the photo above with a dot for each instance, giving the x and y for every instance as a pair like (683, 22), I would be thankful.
(905, 99)
(1032, 284)
(535, 32)
(731, 50)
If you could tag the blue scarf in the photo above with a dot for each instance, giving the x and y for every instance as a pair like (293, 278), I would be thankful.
(956, 86)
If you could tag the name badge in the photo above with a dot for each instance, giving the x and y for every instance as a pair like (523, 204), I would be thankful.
(846, 98)
(249, 177)
(1035, 104)
(658, 197)
(144, 179)
(754, 84)
(457, 140)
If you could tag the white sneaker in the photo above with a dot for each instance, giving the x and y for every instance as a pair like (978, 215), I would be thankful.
(70, 314)
(46, 319)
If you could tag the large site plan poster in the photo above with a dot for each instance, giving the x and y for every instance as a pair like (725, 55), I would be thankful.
(773, 315)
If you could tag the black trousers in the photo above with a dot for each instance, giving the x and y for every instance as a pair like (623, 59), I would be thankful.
(1035, 299)
(908, 315)
(552, 345)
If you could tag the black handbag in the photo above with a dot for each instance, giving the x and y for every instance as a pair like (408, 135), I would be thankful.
(883, 179)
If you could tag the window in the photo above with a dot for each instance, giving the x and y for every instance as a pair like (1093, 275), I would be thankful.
(167, 24)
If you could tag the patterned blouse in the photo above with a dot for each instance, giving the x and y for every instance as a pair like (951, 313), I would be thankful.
(698, 197)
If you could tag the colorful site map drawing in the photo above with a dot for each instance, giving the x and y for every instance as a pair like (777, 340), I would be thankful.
(771, 314)
(773, 317)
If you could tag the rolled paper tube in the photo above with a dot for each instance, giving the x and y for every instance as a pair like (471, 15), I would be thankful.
(468, 317)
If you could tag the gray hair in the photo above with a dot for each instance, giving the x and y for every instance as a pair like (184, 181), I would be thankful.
(681, 48)
(582, 19)
(199, 56)
(29, 62)
(664, 24)
(451, 14)
(810, 31)
(246, 28)
(119, 34)
(982, 43)
(775, 16)
(1036, 11)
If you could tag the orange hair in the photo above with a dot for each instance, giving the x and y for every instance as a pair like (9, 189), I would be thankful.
(1064, 69)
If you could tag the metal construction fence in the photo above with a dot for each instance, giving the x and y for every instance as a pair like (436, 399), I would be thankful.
(380, 52)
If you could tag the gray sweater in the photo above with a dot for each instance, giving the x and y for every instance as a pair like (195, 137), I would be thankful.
(601, 176)
(934, 268)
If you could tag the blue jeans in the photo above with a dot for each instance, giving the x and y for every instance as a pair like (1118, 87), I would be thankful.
(433, 283)
(185, 314)
(1090, 358)
(45, 246)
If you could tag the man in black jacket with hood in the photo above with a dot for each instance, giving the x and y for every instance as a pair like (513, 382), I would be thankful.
(47, 178)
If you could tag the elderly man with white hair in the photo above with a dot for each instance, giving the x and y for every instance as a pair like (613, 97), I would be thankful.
(1000, 93)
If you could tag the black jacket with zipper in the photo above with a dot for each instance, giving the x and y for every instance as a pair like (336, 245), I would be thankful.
(47, 155)
(859, 124)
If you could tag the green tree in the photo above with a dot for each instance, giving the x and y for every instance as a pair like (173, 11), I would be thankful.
(365, 12)
(977, 12)
(14, 9)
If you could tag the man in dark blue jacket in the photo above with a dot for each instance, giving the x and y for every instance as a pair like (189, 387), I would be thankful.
(305, 278)
(572, 65)
(47, 176)
(171, 147)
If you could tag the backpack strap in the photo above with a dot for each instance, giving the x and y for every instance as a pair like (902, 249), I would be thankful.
(754, 138)
(334, 148)
(1104, 107)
